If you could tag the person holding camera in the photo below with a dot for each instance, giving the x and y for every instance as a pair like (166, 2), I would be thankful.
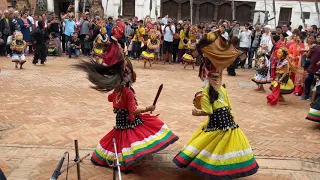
(138, 39)
(168, 30)
(74, 45)
(70, 25)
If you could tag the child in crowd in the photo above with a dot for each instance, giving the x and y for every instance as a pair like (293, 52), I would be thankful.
(86, 46)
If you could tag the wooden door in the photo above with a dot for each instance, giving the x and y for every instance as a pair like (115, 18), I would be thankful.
(224, 12)
(128, 8)
(170, 8)
(243, 13)
(185, 11)
(206, 12)
(284, 16)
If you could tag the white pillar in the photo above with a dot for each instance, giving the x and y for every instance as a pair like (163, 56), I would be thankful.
(76, 9)
(50, 5)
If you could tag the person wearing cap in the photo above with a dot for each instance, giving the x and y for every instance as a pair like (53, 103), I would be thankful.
(168, 30)
(266, 41)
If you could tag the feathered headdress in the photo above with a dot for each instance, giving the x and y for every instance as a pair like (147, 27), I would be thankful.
(115, 72)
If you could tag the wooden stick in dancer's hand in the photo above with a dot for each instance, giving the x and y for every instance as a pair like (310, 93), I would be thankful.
(157, 96)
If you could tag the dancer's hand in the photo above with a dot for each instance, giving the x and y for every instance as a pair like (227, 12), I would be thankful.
(151, 108)
(194, 112)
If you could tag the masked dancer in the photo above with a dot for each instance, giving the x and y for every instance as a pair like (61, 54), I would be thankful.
(218, 149)
(152, 44)
(263, 70)
(137, 133)
(18, 46)
(282, 83)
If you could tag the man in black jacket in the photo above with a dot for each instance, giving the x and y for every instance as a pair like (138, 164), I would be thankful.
(7, 29)
(39, 37)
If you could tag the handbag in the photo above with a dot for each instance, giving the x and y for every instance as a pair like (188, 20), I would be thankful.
(9, 40)
(305, 62)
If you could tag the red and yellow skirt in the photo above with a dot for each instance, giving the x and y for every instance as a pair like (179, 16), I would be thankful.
(134, 143)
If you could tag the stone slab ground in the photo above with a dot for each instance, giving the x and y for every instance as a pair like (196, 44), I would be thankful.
(44, 108)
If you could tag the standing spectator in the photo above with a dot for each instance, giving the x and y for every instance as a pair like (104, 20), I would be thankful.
(175, 44)
(86, 46)
(169, 30)
(7, 30)
(70, 25)
(138, 39)
(235, 30)
(122, 23)
(84, 28)
(54, 26)
(276, 37)
(128, 33)
(74, 45)
(39, 37)
(109, 27)
(255, 42)
(285, 29)
(165, 19)
(62, 35)
(2, 45)
(184, 38)
(25, 25)
(266, 41)
(245, 43)
(118, 33)
(32, 21)
(314, 56)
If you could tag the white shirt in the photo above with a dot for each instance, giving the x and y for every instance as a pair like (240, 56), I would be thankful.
(32, 21)
(168, 35)
(245, 39)
(266, 41)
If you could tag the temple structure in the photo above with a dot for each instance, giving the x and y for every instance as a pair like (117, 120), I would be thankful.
(202, 10)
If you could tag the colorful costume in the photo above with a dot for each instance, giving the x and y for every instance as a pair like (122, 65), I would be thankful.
(100, 44)
(152, 44)
(274, 59)
(263, 70)
(18, 45)
(137, 134)
(286, 85)
(283, 76)
(314, 112)
(218, 149)
(187, 57)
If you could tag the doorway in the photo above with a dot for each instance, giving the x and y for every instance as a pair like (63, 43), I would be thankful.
(284, 16)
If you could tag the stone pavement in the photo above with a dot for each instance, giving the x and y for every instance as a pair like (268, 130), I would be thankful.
(44, 108)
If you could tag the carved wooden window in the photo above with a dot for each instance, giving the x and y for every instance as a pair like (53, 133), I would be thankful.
(128, 8)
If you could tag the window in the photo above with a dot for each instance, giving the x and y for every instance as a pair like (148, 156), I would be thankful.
(306, 15)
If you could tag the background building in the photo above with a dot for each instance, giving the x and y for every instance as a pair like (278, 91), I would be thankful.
(203, 10)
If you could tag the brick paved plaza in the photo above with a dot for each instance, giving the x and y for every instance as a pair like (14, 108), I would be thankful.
(44, 108)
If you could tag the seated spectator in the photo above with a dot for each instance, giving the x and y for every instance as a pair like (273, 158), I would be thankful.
(74, 45)
(54, 47)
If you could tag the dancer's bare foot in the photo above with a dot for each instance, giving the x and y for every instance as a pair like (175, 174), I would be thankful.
(16, 66)
(258, 89)
(145, 64)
